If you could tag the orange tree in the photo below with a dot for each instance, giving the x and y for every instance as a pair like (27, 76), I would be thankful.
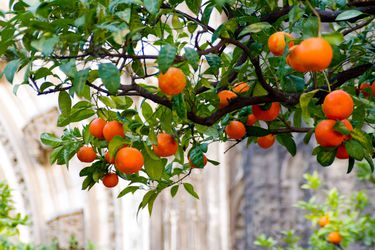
(268, 70)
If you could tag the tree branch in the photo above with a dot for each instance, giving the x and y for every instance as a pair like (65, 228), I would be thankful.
(357, 27)
(325, 15)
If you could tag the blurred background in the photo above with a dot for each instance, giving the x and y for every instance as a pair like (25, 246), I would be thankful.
(250, 193)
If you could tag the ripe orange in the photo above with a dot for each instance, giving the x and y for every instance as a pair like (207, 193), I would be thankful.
(266, 141)
(96, 128)
(235, 130)
(204, 162)
(172, 82)
(111, 129)
(326, 136)
(110, 180)
(129, 160)
(293, 59)
(338, 105)
(323, 221)
(276, 42)
(373, 88)
(365, 89)
(167, 146)
(225, 96)
(266, 115)
(251, 120)
(108, 158)
(341, 152)
(334, 238)
(241, 87)
(313, 54)
(86, 154)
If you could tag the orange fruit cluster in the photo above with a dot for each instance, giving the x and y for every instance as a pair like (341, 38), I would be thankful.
(337, 106)
(226, 96)
(312, 54)
(236, 129)
(127, 160)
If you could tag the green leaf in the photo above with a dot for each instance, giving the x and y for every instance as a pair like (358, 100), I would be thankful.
(147, 111)
(115, 144)
(293, 84)
(109, 102)
(334, 38)
(259, 90)
(194, 5)
(179, 105)
(207, 14)
(50, 139)
(110, 76)
(151, 202)
(122, 102)
(190, 189)
(154, 167)
(256, 131)
(166, 57)
(348, 14)
(45, 45)
(308, 135)
(213, 60)
(350, 165)
(326, 156)
(287, 141)
(255, 28)
(363, 138)
(152, 6)
(341, 128)
(69, 68)
(128, 189)
(87, 182)
(215, 163)
(370, 162)
(86, 171)
(174, 190)
(310, 27)
(79, 81)
(196, 156)
(65, 102)
(304, 101)
(57, 155)
(11, 69)
(149, 196)
(192, 57)
(355, 149)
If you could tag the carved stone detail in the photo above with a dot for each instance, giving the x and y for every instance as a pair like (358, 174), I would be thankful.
(64, 227)
(45, 122)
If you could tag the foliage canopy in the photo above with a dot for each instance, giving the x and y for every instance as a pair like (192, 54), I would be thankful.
(102, 57)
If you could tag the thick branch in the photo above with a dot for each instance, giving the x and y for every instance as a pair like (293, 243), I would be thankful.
(357, 27)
